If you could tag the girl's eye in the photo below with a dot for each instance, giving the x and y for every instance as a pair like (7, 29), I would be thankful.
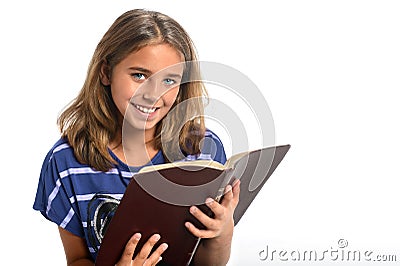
(169, 82)
(138, 76)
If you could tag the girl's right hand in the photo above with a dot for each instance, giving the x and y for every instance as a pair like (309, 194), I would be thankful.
(142, 258)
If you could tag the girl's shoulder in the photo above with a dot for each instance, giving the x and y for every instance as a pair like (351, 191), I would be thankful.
(61, 154)
(210, 134)
(60, 149)
(212, 149)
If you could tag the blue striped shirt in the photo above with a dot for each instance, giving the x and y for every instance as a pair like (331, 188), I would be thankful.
(83, 200)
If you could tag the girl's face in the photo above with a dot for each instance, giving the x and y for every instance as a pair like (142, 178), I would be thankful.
(145, 84)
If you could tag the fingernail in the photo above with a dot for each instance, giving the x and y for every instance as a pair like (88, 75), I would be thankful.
(157, 237)
(137, 236)
(235, 182)
(228, 188)
(160, 258)
(209, 201)
(164, 246)
(193, 209)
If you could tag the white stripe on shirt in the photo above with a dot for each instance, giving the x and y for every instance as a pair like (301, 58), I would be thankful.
(67, 218)
(91, 250)
(127, 174)
(52, 196)
(84, 170)
(84, 197)
(69, 171)
(59, 148)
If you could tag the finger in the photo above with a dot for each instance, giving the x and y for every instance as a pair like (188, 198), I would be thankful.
(129, 249)
(236, 192)
(215, 207)
(236, 182)
(234, 200)
(207, 221)
(198, 232)
(228, 192)
(228, 196)
(146, 249)
(156, 255)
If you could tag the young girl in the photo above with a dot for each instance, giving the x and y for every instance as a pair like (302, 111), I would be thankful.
(86, 172)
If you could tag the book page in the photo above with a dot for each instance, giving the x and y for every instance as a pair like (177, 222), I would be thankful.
(182, 164)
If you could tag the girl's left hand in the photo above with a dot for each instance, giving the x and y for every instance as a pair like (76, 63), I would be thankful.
(221, 225)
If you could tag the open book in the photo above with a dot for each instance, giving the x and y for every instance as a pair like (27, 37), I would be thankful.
(158, 198)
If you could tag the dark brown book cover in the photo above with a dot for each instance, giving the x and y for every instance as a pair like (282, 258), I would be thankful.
(158, 201)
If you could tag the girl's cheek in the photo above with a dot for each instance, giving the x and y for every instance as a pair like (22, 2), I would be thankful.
(171, 95)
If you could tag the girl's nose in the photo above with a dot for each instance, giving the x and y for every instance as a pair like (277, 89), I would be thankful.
(150, 91)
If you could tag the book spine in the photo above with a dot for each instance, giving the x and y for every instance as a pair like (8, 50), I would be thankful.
(194, 251)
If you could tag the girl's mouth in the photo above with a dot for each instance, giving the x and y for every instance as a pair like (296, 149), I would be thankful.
(144, 109)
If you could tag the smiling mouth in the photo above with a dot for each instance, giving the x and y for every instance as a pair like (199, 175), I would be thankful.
(146, 110)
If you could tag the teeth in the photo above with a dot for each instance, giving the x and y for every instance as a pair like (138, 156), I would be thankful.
(144, 109)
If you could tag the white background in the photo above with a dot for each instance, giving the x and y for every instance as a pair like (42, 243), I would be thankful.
(329, 71)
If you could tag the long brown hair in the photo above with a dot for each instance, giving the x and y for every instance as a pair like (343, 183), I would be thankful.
(91, 121)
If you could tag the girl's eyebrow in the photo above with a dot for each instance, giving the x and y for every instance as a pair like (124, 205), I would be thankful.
(141, 69)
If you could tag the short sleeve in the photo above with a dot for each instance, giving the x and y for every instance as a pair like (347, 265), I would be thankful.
(213, 146)
(52, 198)
(211, 149)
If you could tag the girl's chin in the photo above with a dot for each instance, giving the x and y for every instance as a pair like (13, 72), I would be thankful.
(144, 126)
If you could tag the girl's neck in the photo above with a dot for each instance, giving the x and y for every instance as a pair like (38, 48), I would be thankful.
(135, 148)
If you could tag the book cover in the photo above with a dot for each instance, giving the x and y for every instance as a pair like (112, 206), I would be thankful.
(158, 198)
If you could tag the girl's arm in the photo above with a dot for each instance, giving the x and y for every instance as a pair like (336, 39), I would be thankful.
(215, 248)
(77, 253)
